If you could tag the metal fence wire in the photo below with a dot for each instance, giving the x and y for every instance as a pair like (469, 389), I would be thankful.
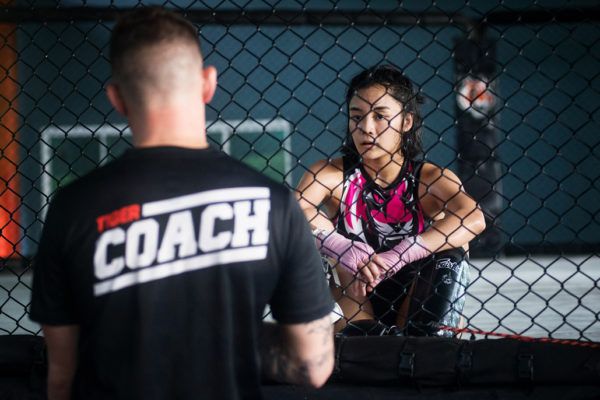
(511, 105)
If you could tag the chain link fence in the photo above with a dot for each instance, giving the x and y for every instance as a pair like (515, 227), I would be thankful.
(512, 106)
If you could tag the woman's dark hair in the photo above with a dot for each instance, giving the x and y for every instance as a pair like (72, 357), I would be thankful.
(400, 88)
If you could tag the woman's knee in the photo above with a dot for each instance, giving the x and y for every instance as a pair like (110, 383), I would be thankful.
(438, 294)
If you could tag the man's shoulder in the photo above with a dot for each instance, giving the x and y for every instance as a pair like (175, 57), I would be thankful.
(82, 184)
(212, 170)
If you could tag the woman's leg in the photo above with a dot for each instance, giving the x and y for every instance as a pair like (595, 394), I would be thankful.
(437, 296)
(355, 307)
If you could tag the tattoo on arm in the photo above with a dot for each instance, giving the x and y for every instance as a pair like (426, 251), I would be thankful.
(323, 328)
(281, 365)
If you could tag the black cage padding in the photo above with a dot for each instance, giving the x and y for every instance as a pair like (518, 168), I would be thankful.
(432, 361)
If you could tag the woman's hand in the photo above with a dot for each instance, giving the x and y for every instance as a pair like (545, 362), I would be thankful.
(353, 255)
(368, 276)
(407, 251)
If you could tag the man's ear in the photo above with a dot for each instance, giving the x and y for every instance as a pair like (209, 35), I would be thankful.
(407, 122)
(116, 99)
(209, 83)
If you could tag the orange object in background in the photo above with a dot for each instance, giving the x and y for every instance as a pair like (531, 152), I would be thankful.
(9, 148)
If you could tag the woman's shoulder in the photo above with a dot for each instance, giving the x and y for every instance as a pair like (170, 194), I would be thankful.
(327, 166)
(431, 173)
(428, 168)
(328, 173)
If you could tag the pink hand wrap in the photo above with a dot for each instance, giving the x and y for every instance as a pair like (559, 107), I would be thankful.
(350, 254)
(409, 250)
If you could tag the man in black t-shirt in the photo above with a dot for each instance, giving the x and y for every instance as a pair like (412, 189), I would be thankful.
(153, 271)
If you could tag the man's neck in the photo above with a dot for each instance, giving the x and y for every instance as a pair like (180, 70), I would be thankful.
(169, 126)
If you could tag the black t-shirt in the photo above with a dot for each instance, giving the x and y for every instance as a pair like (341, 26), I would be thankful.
(166, 258)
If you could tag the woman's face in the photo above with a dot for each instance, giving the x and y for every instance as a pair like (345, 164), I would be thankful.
(377, 122)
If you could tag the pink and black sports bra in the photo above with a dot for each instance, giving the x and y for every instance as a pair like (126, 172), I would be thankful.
(380, 217)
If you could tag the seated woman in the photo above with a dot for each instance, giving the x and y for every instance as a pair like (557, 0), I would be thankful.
(396, 228)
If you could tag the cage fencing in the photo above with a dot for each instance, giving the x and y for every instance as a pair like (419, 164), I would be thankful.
(512, 100)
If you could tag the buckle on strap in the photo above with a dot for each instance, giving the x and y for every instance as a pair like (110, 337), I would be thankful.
(525, 367)
(406, 365)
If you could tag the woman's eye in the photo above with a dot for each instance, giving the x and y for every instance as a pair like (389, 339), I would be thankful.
(379, 117)
(356, 118)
